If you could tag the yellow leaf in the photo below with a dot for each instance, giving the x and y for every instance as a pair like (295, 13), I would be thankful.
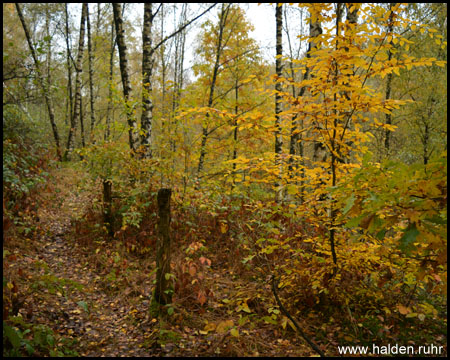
(234, 332)
(210, 327)
(403, 310)
(223, 326)
(223, 228)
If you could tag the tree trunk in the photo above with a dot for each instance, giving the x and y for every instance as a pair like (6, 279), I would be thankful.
(147, 68)
(387, 144)
(132, 128)
(69, 68)
(110, 87)
(223, 19)
(163, 289)
(180, 41)
(45, 90)
(91, 74)
(78, 69)
(278, 70)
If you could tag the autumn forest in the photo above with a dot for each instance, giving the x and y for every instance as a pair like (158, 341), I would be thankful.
(224, 179)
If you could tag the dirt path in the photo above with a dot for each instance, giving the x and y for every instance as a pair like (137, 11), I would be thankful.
(85, 294)
(71, 283)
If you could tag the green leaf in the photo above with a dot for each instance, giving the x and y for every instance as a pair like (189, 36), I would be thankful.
(355, 221)
(29, 348)
(349, 204)
(380, 234)
(83, 305)
(12, 335)
(170, 310)
(408, 239)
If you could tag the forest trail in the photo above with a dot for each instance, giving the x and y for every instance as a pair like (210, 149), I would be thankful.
(80, 307)
(69, 289)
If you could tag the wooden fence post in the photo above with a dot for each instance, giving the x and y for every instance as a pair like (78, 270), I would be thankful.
(107, 205)
(164, 289)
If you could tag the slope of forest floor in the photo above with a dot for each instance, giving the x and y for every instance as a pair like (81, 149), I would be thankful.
(95, 295)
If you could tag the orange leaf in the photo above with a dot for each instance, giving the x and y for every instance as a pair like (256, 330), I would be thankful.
(403, 310)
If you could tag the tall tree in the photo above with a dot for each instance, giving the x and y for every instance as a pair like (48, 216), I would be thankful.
(147, 61)
(278, 97)
(147, 68)
(223, 15)
(132, 127)
(42, 82)
(78, 70)
(178, 74)
(388, 120)
(110, 84)
(91, 73)
(69, 66)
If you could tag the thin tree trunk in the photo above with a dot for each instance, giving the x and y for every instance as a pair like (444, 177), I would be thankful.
(235, 131)
(45, 90)
(69, 67)
(389, 81)
(180, 41)
(223, 18)
(83, 139)
(78, 69)
(278, 88)
(91, 73)
(110, 88)
(333, 159)
(132, 128)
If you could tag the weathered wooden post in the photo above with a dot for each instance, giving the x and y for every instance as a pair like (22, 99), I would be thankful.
(107, 205)
(164, 289)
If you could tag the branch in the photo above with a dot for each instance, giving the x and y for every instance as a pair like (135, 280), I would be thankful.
(285, 312)
(181, 29)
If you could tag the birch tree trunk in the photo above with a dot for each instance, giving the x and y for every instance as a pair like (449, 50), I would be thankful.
(132, 128)
(42, 83)
(78, 69)
(147, 68)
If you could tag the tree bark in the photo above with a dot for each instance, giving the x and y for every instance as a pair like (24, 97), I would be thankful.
(147, 68)
(278, 88)
(45, 90)
(387, 139)
(163, 289)
(78, 69)
(69, 68)
(91, 74)
(132, 128)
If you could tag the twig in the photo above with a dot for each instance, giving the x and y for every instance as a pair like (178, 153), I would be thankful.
(285, 312)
